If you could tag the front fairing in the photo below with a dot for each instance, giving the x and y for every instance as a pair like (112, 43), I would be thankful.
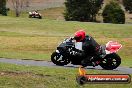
(66, 43)
(64, 46)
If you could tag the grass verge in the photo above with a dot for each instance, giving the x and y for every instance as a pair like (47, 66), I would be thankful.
(24, 38)
(17, 76)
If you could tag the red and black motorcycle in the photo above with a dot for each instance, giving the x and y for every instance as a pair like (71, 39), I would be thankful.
(35, 14)
(65, 54)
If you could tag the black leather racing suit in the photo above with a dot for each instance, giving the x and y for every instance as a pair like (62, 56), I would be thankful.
(90, 48)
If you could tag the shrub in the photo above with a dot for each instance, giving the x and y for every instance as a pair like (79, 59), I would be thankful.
(82, 10)
(128, 5)
(3, 9)
(113, 13)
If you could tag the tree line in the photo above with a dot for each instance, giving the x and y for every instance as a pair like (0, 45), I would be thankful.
(18, 5)
(3, 9)
(86, 10)
(81, 10)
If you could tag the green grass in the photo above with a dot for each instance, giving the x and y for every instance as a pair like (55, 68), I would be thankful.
(53, 13)
(25, 55)
(50, 13)
(24, 38)
(16, 76)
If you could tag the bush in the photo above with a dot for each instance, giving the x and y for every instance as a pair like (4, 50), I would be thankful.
(128, 5)
(82, 10)
(113, 13)
(3, 9)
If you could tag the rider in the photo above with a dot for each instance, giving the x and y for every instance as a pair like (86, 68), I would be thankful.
(90, 47)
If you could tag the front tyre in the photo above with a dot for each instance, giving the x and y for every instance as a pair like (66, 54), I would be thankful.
(58, 59)
(111, 61)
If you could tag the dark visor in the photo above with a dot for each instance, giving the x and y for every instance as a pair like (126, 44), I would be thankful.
(77, 38)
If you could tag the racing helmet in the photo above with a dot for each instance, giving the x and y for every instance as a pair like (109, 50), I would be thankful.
(79, 35)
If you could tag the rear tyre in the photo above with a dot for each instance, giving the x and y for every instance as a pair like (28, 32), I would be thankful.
(39, 16)
(58, 59)
(111, 61)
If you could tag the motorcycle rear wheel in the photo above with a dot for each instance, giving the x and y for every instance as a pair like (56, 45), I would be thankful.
(111, 61)
(58, 59)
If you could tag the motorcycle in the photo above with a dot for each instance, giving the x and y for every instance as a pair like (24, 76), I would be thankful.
(66, 53)
(35, 15)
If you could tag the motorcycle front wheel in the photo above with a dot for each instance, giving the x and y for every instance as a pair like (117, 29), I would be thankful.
(58, 59)
(111, 61)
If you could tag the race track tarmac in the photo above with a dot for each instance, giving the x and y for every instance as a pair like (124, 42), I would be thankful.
(124, 70)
